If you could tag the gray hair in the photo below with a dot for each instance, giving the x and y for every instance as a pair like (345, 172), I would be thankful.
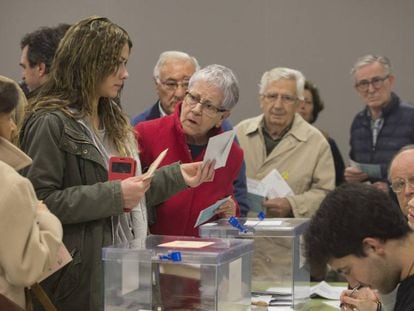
(169, 55)
(221, 77)
(370, 59)
(280, 73)
(405, 148)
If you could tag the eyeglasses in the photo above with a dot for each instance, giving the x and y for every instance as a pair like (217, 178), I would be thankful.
(206, 107)
(399, 185)
(376, 82)
(172, 85)
(284, 98)
(307, 102)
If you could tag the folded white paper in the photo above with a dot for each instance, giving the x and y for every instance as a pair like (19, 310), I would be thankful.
(209, 212)
(273, 185)
(218, 148)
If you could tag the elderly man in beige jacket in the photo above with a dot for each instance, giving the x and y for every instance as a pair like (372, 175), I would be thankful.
(30, 234)
(280, 139)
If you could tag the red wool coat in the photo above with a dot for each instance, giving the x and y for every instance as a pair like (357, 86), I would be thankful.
(177, 215)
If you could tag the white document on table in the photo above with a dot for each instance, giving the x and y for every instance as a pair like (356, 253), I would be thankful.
(218, 148)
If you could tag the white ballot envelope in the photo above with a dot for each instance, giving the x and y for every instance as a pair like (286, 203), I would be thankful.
(256, 193)
(276, 186)
(256, 187)
(218, 148)
(273, 185)
(208, 212)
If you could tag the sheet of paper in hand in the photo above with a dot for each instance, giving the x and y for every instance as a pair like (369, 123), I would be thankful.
(373, 170)
(154, 165)
(208, 212)
(276, 186)
(218, 148)
(256, 194)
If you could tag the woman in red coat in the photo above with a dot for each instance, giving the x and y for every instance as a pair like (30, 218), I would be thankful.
(212, 93)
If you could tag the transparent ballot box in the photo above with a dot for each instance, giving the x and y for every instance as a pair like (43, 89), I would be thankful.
(178, 273)
(278, 265)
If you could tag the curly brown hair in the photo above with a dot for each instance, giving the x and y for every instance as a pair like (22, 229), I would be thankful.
(87, 54)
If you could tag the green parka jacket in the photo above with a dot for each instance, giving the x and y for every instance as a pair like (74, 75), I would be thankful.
(69, 175)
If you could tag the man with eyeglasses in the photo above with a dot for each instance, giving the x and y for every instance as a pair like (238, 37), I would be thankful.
(401, 177)
(281, 139)
(384, 126)
(172, 74)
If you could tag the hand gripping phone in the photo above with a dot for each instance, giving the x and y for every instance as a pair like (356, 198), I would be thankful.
(121, 168)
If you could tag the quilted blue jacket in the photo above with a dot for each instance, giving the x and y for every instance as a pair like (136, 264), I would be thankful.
(396, 132)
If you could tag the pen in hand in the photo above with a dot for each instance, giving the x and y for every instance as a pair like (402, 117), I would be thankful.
(354, 290)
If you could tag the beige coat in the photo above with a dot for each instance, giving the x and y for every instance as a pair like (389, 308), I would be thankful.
(302, 157)
(29, 240)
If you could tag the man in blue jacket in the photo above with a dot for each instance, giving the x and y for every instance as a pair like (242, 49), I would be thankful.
(384, 126)
(172, 73)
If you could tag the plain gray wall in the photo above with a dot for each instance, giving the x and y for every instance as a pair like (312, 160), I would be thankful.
(322, 38)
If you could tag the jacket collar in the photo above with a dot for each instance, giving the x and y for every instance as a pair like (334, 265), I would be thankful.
(388, 109)
(155, 112)
(12, 155)
(297, 130)
(394, 103)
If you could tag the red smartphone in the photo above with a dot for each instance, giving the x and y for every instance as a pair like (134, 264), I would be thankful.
(121, 168)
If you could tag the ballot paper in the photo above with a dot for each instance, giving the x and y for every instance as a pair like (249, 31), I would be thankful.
(373, 170)
(154, 165)
(273, 185)
(208, 212)
(256, 194)
(256, 187)
(218, 148)
(276, 186)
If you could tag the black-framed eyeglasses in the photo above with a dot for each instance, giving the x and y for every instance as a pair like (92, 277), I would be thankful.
(399, 184)
(172, 85)
(206, 106)
(284, 98)
(376, 82)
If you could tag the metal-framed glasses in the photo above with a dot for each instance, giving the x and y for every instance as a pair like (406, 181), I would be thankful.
(172, 85)
(206, 106)
(399, 184)
(284, 98)
(376, 82)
